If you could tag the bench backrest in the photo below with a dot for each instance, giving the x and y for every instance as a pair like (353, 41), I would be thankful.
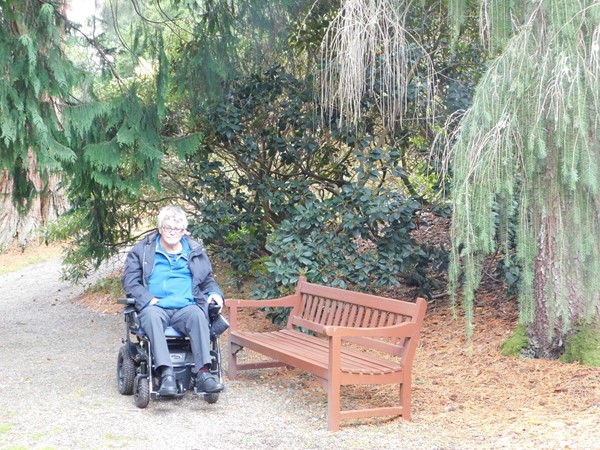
(321, 306)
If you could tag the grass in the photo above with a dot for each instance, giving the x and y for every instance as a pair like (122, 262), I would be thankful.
(13, 259)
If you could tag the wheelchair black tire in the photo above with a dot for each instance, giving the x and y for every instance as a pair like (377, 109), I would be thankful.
(211, 398)
(125, 371)
(141, 395)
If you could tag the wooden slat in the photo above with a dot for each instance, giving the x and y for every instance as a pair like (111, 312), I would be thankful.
(324, 312)
(261, 365)
(311, 352)
(351, 361)
(375, 316)
(314, 307)
(345, 316)
(379, 345)
(307, 324)
(366, 318)
(352, 317)
(391, 320)
(333, 306)
(339, 310)
(371, 412)
(359, 298)
(318, 310)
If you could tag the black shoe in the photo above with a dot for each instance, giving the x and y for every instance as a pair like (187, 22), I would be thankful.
(206, 383)
(168, 388)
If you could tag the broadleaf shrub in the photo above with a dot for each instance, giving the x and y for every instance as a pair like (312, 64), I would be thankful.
(360, 239)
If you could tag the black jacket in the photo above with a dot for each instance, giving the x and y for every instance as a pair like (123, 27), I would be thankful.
(140, 264)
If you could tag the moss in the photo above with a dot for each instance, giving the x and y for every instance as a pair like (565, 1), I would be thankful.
(516, 342)
(584, 346)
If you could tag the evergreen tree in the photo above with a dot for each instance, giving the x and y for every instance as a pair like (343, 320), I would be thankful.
(107, 148)
(114, 126)
(35, 77)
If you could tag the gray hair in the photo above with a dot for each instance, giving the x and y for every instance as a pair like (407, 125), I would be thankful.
(172, 212)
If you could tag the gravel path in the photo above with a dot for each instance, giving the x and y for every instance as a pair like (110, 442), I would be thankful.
(57, 389)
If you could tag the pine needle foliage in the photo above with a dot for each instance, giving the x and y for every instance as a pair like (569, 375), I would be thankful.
(36, 78)
(498, 19)
(529, 147)
(228, 40)
(108, 147)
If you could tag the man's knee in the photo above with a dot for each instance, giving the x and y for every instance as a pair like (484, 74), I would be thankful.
(194, 319)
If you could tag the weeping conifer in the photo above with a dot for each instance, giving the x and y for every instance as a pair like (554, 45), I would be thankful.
(36, 78)
(368, 47)
(529, 149)
(527, 152)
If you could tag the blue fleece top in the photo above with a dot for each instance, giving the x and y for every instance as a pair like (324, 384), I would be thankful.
(171, 279)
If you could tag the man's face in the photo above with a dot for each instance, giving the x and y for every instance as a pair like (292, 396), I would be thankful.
(171, 232)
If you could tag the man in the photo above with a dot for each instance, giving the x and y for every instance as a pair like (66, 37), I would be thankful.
(171, 279)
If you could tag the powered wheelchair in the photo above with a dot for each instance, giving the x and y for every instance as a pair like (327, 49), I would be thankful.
(136, 372)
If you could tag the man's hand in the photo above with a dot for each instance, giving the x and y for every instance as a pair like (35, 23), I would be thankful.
(216, 298)
(154, 301)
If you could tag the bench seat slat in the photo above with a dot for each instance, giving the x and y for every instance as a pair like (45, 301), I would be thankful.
(312, 352)
(351, 361)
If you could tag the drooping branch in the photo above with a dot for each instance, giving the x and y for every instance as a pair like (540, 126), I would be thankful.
(367, 51)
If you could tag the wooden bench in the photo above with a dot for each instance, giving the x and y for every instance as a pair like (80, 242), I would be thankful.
(356, 339)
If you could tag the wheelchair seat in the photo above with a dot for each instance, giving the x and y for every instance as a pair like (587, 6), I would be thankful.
(170, 332)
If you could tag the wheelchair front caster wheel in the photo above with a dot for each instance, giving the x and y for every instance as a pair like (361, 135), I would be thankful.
(141, 392)
(211, 398)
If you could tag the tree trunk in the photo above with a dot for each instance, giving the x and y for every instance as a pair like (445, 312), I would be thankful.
(48, 203)
(544, 339)
(558, 277)
(559, 302)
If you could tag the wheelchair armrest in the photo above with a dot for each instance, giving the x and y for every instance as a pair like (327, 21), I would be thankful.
(131, 318)
(213, 311)
(126, 301)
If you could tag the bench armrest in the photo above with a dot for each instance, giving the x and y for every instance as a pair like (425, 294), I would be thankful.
(408, 329)
(287, 301)
(234, 304)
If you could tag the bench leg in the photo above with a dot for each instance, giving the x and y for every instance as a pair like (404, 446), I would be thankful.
(233, 366)
(333, 406)
(405, 400)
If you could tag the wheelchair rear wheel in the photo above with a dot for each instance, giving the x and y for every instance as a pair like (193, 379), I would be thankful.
(141, 393)
(125, 371)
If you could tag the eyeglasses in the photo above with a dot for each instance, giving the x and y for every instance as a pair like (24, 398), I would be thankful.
(168, 229)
